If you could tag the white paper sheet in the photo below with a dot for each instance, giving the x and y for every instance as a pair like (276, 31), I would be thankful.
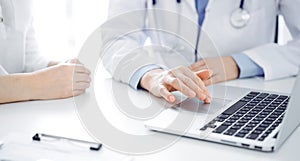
(17, 148)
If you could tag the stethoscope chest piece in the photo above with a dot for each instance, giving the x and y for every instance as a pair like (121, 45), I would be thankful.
(239, 18)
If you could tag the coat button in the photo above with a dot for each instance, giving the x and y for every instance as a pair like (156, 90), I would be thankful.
(1, 19)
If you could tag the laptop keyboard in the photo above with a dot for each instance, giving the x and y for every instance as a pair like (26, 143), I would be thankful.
(254, 117)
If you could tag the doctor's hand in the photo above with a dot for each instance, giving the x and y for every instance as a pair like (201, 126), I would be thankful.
(61, 81)
(161, 83)
(223, 68)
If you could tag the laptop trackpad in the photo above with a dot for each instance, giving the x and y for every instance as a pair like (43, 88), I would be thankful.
(194, 105)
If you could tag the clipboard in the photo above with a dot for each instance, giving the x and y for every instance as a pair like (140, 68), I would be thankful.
(45, 137)
(44, 147)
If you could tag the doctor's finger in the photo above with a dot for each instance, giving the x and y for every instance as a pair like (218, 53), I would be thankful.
(187, 72)
(186, 75)
(197, 80)
(197, 65)
(204, 74)
(192, 76)
(202, 94)
(168, 96)
(208, 82)
(180, 86)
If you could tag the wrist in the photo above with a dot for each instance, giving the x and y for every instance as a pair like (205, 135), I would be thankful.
(23, 87)
(234, 69)
(148, 78)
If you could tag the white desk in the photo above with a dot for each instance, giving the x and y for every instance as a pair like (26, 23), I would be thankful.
(58, 117)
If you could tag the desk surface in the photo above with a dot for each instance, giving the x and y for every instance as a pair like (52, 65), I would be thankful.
(59, 117)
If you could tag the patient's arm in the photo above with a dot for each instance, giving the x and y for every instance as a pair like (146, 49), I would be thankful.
(59, 81)
(15, 88)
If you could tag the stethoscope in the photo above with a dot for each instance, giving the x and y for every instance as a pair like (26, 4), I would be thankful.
(238, 19)
(1, 18)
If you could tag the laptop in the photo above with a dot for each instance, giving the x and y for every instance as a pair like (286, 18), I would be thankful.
(252, 119)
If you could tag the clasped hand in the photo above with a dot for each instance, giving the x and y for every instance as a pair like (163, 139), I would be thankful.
(192, 80)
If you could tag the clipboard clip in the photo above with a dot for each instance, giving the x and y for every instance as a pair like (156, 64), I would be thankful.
(92, 146)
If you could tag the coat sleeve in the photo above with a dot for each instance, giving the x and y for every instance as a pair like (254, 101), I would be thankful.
(33, 60)
(123, 37)
(279, 61)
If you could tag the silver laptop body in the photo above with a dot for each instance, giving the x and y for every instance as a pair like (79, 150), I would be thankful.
(272, 124)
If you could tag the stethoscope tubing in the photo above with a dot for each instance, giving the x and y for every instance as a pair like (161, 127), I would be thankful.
(241, 7)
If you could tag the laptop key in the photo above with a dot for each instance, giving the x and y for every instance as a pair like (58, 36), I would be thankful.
(272, 128)
(257, 132)
(261, 128)
(273, 96)
(267, 110)
(211, 126)
(244, 132)
(268, 131)
(203, 128)
(223, 116)
(261, 115)
(258, 119)
(247, 128)
(231, 110)
(254, 122)
(251, 125)
(252, 136)
(230, 132)
(263, 95)
(227, 123)
(220, 129)
(241, 112)
(247, 118)
(276, 124)
(253, 112)
(264, 125)
(240, 124)
(236, 127)
(271, 119)
(254, 93)
(243, 121)
(283, 97)
(219, 120)
(241, 135)
(238, 115)
(267, 122)
(231, 121)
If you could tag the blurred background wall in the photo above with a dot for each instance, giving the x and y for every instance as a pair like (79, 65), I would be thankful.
(63, 25)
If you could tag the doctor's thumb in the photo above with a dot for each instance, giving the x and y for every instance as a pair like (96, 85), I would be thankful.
(204, 74)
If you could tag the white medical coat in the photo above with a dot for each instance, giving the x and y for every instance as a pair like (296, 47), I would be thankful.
(18, 47)
(256, 39)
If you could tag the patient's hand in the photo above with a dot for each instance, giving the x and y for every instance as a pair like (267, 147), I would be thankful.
(58, 81)
(223, 68)
(161, 83)
(61, 81)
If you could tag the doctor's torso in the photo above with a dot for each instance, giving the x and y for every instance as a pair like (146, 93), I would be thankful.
(218, 35)
(13, 31)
